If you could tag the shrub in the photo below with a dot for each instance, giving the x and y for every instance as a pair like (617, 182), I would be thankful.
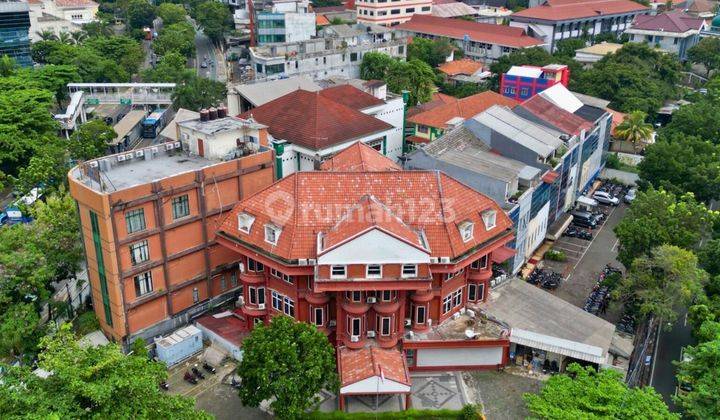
(139, 347)
(554, 255)
(86, 323)
(613, 161)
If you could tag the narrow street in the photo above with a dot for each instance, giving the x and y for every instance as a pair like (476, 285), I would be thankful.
(670, 344)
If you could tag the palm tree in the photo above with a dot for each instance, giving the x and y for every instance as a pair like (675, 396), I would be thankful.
(65, 38)
(98, 28)
(634, 129)
(47, 35)
(78, 37)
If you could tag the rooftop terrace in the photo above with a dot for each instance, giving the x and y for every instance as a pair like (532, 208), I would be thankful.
(470, 325)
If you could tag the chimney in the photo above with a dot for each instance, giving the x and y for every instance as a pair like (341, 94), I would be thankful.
(213, 113)
(204, 115)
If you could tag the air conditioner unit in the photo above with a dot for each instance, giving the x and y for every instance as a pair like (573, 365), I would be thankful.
(302, 261)
(261, 306)
(470, 313)
(433, 260)
(312, 261)
(154, 150)
(462, 310)
(121, 158)
(456, 315)
(332, 323)
(129, 156)
(445, 260)
(169, 146)
(410, 335)
(408, 322)
(139, 153)
(240, 301)
(177, 144)
(354, 338)
(371, 334)
(93, 164)
(429, 322)
(241, 267)
(371, 300)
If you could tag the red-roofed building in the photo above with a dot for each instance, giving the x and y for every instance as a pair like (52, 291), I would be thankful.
(372, 259)
(556, 117)
(480, 41)
(360, 158)
(555, 20)
(309, 127)
(372, 370)
(673, 32)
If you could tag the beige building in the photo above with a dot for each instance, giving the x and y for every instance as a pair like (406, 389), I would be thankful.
(58, 16)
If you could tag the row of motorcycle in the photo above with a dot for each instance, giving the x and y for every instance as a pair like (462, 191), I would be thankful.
(547, 279)
(194, 374)
(599, 297)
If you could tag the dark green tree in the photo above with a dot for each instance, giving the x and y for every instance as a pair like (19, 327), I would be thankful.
(125, 51)
(215, 19)
(139, 14)
(288, 361)
(696, 119)
(171, 68)
(171, 13)
(432, 52)
(701, 373)
(375, 66)
(178, 37)
(707, 53)
(199, 92)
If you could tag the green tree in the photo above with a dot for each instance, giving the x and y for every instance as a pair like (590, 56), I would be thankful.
(178, 37)
(171, 68)
(98, 28)
(90, 382)
(48, 166)
(375, 66)
(634, 129)
(53, 78)
(567, 47)
(696, 119)
(215, 20)
(91, 140)
(125, 51)
(414, 76)
(658, 217)
(199, 92)
(680, 164)
(707, 53)
(701, 373)
(662, 281)
(583, 393)
(709, 258)
(432, 52)
(8, 66)
(20, 329)
(288, 361)
(171, 13)
(139, 14)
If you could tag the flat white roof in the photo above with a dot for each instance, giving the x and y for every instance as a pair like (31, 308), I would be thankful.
(562, 97)
(521, 71)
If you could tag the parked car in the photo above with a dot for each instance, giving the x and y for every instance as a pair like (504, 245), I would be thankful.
(606, 198)
(584, 219)
(630, 196)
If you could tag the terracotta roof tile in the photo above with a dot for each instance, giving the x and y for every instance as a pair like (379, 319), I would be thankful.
(357, 365)
(668, 22)
(321, 20)
(437, 100)
(351, 96)
(359, 157)
(559, 118)
(464, 66)
(315, 121)
(479, 32)
(307, 203)
(577, 9)
(465, 108)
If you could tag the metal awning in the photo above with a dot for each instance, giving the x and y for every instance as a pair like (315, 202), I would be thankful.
(501, 254)
(569, 348)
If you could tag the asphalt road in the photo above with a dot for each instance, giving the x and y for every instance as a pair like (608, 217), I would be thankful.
(204, 48)
(670, 344)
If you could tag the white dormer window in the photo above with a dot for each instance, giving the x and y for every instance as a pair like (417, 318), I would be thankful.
(272, 234)
(466, 230)
(489, 217)
(245, 222)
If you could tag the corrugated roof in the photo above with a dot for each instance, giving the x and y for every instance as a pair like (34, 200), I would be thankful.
(578, 9)
(263, 92)
(554, 115)
(452, 10)
(542, 140)
(170, 131)
(603, 48)
(127, 123)
(560, 96)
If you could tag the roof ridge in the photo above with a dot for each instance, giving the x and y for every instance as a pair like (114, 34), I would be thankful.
(441, 194)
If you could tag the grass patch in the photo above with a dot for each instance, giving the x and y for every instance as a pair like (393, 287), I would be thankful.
(86, 323)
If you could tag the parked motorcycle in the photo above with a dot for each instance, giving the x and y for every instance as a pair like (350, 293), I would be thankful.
(209, 368)
(197, 373)
(235, 383)
(189, 377)
(164, 386)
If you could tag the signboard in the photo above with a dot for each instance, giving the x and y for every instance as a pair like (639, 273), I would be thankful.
(125, 101)
(92, 101)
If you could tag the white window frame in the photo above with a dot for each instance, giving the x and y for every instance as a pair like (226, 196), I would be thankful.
(466, 230)
(272, 234)
(351, 325)
(376, 267)
(489, 219)
(255, 266)
(139, 252)
(277, 300)
(407, 275)
(417, 314)
(475, 265)
(143, 283)
(381, 325)
(390, 294)
(259, 293)
(472, 292)
(282, 276)
(288, 306)
(350, 296)
(245, 222)
(338, 276)
(321, 311)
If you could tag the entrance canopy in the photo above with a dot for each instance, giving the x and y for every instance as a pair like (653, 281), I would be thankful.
(372, 370)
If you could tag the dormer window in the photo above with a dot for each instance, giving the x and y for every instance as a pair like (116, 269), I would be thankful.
(272, 234)
(466, 230)
(489, 218)
(245, 222)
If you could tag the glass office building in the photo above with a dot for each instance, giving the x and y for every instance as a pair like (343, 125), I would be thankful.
(14, 31)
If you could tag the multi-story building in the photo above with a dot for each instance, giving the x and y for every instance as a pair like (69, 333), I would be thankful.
(14, 31)
(337, 52)
(479, 41)
(672, 32)
(490, 11)
(148, 220)
(309, 127)
(391, 12)
(58, 16)
(555, 20)
(274, 21)
(523, 82)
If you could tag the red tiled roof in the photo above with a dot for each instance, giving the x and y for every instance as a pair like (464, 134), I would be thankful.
(577, 9)
(369, 214)
(464, 108)
(357, 365)
(701, 6)
(326, 9)
(507, 36)
(307, 203)
(564, 121)
(351, 96)
(463, 66)
(417, 139)
(617, 119)
(668, 22)
(361, 158)
(436, 100)
(321, 20)
(315, 121)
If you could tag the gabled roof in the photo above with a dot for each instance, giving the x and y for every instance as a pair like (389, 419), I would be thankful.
(452, 10)
(701, 6)
(357, 365)
(506, 36)
(351, 96)
(578, 9)
(368, 214)
(468, 107)
(462, 66)
(314, 121)
(436, 100)
(359, 157)
(261, 93)
(306, 203)
(668, 22)
(557, 117)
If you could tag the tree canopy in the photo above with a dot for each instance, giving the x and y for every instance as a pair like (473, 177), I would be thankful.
(415, 76)
(432, 52)
(583, 393)
(707, 53)
(199, 92)
(215, 19)
(171, 13)
(700, 372)
(177, 37)
(288, 361)
(697, 119)
(139, 14)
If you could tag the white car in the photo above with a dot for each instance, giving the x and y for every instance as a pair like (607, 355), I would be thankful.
(630, 196)
(605, 198)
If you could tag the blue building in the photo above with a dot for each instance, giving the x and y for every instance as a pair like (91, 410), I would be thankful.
(15, 31)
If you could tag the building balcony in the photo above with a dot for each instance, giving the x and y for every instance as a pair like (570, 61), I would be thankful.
(250, 277)
(386, 308)
(317, 299)
(388, 341)
(354, 308)
(422, 296)
(254, 310)
(482, 275)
